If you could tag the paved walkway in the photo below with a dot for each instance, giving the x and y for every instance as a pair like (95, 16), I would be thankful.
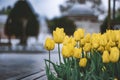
(13, 65)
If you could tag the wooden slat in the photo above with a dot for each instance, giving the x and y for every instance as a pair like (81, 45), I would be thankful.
(23, 76)
(34, 76)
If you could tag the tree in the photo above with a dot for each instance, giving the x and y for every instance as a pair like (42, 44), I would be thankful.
(63, 22)
(22, 22)
(104, 25)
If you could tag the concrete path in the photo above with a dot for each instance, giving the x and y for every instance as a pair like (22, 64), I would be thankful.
(13, 65)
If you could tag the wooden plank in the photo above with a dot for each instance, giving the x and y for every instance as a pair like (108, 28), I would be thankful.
(42, 78)
(35, 76)
(22, 76)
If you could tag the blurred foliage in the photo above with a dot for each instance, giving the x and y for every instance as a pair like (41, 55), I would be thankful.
(104, 25)
(118, 17)
(6, 10)
(22, 22)
(62, 22)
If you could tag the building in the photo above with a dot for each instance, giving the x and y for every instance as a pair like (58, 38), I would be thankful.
(82, 14)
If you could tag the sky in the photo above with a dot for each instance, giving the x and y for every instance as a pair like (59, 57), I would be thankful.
(48, 8)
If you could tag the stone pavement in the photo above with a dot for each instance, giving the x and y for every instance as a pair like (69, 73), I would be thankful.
(13, 65)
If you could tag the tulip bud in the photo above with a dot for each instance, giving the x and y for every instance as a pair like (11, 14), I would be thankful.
(114, 54)
(105, 57)
(58, 35)
(49, 44)
(83, 62)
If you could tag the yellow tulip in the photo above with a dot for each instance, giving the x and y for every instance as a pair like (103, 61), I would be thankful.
(68, 40)
(49, 44)
(79, 34)
(115, 79)
(107, 47)
(77, 53)
(101, 48)
(105, 57)
(111, 35)
(114, 54)
(95, 40)
(58, 35)
(117, 32)
(82, 42)
(83, 62)
(72, 41)
(67, 50)
(103, 40)
(87, 47)
(119, 44)
(95, 45)
(87, 38)
(111, 43)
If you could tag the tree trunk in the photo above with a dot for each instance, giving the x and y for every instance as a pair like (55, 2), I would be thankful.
(109, 13)
(9, 42)
(23, 40)
(113, 9)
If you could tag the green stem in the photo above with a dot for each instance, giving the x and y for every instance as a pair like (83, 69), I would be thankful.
(68, 74)
(49, 59)
(59, 53)
(78, 45)
(76, 70)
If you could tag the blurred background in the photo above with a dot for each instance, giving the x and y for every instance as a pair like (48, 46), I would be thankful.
(25, 24)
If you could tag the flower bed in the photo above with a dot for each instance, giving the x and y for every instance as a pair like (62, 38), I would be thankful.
(85, 57)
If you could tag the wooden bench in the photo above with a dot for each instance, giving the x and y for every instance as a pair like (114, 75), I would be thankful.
(5, 44)
(39, 75)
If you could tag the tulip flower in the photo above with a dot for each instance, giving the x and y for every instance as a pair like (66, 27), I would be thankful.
(101, 48)
(87, 38)
(67, 50)
(95, 40)
(105, 57)
(119, 44)
(77, 52)
(79, 34)
(115, 79)
(103, 40)
(82, 42)
(68, 40)
(58, 35)
(49, 44)
(117, 36)
(83, 62)
(114, 54)
(87, 47)
(110, 35)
